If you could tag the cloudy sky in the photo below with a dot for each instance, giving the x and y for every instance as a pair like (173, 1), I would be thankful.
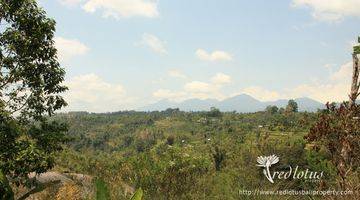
(124, 54)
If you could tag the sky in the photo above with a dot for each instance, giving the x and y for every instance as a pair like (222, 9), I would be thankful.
(125, 54)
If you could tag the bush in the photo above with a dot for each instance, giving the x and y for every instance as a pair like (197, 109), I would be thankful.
(170, 140)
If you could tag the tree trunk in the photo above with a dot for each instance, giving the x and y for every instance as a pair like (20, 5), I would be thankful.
(355, 82)
(345, 144)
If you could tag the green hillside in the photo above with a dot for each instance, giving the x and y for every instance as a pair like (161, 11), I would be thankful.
(182, 155)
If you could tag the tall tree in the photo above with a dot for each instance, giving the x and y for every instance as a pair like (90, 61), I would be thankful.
(271, 109)
(354, 92)
(292, 106)
(30, 88)
(337, 131)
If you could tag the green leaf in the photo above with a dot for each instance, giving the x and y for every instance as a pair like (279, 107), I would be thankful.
(138, 195)
(357, 49)
(5, 189)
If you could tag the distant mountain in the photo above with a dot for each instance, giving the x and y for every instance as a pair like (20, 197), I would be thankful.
(187, 105)
(240, 103)
(305, 104)
(279, 103)
(310, 105)
(160, 105)
(197, 104)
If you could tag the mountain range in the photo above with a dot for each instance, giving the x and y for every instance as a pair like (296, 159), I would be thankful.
(241, 103)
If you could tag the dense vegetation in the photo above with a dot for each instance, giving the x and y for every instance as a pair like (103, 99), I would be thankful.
(183, 155)
(30, 87)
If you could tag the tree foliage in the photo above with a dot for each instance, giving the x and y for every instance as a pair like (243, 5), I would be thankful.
(357, 47)
(272, 109)
(337, 131)
(30, 90)
(292, 106)
(205, 161)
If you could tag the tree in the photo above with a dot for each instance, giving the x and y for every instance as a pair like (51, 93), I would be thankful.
(214, 112)
(357, 48)
(292, 106)
(30, 91)
(170, 140)
(271, 109)
(337, 131)
(219, 156)
(354, 93)
(281, 110)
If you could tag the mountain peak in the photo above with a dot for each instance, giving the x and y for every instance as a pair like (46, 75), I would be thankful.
(243, 95)
(240, 103)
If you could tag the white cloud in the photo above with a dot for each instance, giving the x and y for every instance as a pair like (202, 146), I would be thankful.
(335, 88)
(213, 56)
(168, 94)
(70, 2)
(326, 92)
(330, 10)
(154, 43)
(343, 74)
(123, 8)
(176, 74)
(91, 93)
(261, 93)
(197, 87)
(220, 79)
(69, 48)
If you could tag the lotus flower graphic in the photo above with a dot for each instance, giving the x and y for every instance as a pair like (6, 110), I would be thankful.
(266, 162)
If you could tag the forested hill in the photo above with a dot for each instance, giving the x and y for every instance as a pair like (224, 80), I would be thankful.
(177, 155)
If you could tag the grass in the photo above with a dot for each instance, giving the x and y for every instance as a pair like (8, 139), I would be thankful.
(102, 191)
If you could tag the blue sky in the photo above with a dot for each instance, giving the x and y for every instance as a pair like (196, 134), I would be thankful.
(124, 54)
